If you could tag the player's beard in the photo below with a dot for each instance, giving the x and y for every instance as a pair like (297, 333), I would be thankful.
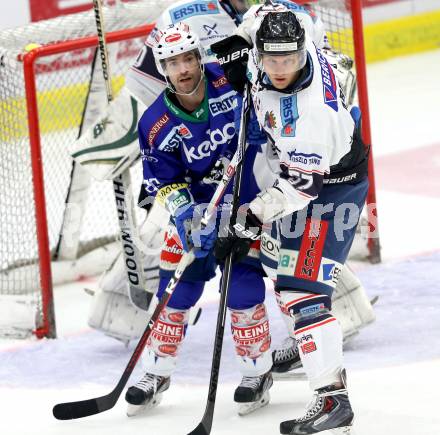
(187, 84)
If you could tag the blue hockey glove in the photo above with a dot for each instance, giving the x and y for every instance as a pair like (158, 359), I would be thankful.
(192, 234)
(186, 217)
(207, 238)
(183, 221)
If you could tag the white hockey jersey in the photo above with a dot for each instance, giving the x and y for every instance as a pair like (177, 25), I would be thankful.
(309, 129)
(212, 21)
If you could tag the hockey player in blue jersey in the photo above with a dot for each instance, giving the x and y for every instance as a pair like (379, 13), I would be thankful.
(320, 165)
(184, 136)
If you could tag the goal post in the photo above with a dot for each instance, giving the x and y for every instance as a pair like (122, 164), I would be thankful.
(361, 74)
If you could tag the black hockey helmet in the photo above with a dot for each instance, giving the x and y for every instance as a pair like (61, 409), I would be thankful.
(280, 33)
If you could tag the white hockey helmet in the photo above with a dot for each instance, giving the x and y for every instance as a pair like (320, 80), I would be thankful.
(176, 39)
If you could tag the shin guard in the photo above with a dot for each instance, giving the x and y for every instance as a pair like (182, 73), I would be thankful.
(160, 355)
(250, 331)
(318, 335)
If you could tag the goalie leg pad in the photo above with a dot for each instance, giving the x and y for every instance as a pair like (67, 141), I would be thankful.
(250, 331)
(350, 304)
(318, 335)
(113, 314)
(161, 352)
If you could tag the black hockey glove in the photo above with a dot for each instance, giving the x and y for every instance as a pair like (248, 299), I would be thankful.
(240, 234)
(232, 54)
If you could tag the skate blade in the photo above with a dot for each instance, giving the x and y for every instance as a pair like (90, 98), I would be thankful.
(293, 375)
(134, 410)
(249, 407)
(346, 430)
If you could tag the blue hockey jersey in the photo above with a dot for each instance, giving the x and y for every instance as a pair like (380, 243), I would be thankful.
(178, 147)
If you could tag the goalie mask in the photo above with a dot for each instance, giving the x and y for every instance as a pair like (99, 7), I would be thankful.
(280, 43)
(179, 54)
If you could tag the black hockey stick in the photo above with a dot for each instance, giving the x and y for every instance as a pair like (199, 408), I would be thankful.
(205, 425)
(139, 295)
(84, 408)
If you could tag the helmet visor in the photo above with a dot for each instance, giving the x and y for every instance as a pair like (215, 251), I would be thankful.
(185, 62)
(285, 63)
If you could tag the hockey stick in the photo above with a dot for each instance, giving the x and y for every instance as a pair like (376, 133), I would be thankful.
(205, 425)
(139, 295)
(84, 408)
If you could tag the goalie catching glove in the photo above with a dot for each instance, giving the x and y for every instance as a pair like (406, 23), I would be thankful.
(245, 228)
(110, 146)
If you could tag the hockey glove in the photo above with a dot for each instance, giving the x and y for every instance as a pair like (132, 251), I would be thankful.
(244, 230)
(232, 54)
(186, 217)
(215, 175)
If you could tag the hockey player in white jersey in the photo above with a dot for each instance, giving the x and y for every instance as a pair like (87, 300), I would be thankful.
(320, 166)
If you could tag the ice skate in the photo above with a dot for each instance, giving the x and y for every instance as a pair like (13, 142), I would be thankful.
(253, 393)
(146, 394)
(286, 360)
(330, 411)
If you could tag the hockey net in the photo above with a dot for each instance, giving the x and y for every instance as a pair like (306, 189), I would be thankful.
(42, 100)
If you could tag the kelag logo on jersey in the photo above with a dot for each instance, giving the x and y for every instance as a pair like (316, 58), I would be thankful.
(192, 9)
(289, 115)
(216, 137)
(329, 82)
(222, 104)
